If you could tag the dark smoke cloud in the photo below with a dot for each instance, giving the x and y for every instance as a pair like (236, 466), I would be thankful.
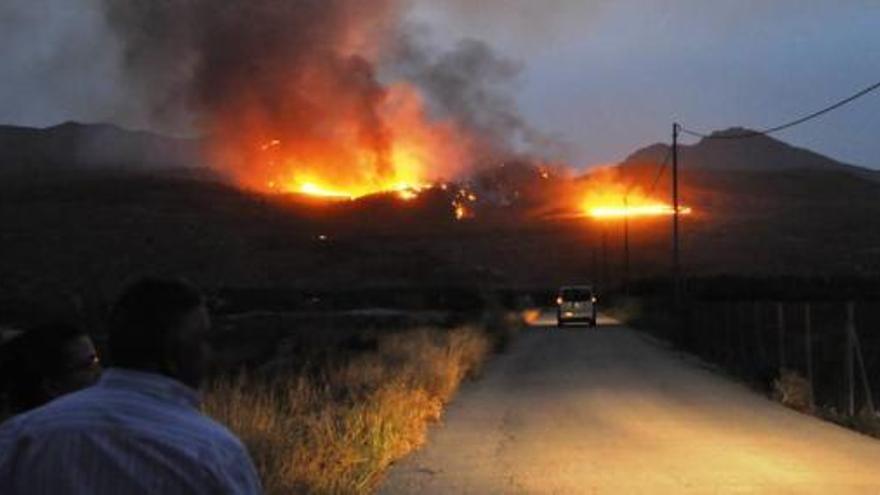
(270, 67)
(305, 72)
(472, 84)
(524, 26)
(463, 84)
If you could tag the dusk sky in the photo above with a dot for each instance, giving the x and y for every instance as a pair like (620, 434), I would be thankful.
(605, 77)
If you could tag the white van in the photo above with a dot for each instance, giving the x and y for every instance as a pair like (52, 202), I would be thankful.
(576, 303)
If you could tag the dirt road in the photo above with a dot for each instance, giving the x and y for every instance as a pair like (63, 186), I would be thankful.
(612, 411)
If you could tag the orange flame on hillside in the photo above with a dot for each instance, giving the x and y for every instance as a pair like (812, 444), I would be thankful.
(645, 210)
(412, 153)
(609, 199)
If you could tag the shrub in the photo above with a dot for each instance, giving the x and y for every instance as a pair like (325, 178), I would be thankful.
(337, 431)
(793, 390)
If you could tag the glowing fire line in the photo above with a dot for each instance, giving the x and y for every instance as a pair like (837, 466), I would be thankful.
(404, 192)
(313, 189)
(649, 210)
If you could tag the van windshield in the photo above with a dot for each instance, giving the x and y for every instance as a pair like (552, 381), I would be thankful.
(576, 294)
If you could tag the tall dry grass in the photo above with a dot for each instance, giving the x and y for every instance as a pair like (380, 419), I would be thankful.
(337, 431)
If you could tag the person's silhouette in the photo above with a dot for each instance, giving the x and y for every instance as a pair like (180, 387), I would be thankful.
(139, 429)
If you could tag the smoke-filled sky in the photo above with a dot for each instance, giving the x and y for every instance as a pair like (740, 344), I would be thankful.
(604, 77)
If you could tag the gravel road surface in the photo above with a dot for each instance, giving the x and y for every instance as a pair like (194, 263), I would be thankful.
(609, 410)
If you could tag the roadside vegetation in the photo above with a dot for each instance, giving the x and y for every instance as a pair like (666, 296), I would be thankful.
(327, 390)
(335, 427)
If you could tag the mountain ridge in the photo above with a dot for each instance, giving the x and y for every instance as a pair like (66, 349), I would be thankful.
(756, 153)
(78, 145)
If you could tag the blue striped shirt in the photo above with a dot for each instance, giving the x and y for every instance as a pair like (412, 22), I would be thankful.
(131, 433)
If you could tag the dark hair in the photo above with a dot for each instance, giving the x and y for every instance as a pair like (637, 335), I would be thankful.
(142, 318)
(37, 354)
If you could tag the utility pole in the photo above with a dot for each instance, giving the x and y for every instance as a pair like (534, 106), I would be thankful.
(597, 274)
(676, 266)
(606, 272)
(626, 245)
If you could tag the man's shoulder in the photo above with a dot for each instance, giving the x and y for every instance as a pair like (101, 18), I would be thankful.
(75, 406)
(46, 424)
(132, 419)
(124, 409)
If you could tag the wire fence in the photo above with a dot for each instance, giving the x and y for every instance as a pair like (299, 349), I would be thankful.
(832, 347)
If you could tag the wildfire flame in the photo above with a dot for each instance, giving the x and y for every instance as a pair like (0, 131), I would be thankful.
(609, 199)
(313, 189)
(645, 210)
(460, 205)
(416, 153)
(297, 99)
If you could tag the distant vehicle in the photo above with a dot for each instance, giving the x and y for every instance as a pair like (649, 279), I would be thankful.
(576, 304)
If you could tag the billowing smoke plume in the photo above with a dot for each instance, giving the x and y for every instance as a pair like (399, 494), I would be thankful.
(287, 90)
(467, 84)
(518, 26)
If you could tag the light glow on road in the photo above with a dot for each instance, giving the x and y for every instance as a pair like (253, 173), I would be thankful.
(609, 411)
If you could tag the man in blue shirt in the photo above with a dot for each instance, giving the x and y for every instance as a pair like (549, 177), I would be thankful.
(139, 429)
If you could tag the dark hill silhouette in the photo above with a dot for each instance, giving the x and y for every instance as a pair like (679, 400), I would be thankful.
(86, 234)
(83, 229)
(75, 145)
(759, 153)
(763, 206)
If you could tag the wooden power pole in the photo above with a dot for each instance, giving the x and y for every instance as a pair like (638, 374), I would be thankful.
(626, 245)
(676, 262)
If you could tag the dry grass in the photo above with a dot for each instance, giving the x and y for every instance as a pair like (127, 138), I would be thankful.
(339, 431)
(793, 390)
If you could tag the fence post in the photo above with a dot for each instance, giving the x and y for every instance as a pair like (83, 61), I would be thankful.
(848, 360)
(741, 334)
(869, 399)
(759, 332)
(808, 330)
(780, 324)
(727, 352)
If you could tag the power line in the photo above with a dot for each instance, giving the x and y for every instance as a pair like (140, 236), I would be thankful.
(787, 125)
(660, 171)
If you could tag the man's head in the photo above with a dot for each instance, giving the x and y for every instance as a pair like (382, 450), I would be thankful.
(52, 360)
(161, 326)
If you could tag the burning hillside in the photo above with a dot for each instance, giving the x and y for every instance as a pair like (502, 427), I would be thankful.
(607, 198)
(331, 99)
(336, 100)
(606, 193)
(402, 151)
